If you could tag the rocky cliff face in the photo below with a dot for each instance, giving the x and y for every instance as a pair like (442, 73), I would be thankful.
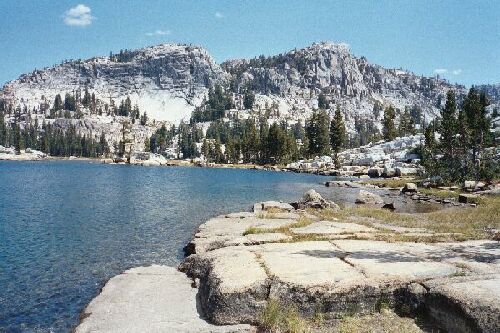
(168, 81)
(164, 80)
(360, 88)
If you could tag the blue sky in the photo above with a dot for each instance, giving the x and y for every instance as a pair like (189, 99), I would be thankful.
(460, 40)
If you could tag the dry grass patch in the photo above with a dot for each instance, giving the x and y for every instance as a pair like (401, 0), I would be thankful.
(270, 213)
(278, 318)
(254, 230)
(384, 322)
(302, 221)
(383, 215)
(472, 222)
(438, 193)
(459, 223)
(329, 214)
(394, 183)
(463, 222)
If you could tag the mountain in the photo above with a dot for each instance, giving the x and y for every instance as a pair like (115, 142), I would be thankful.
(168, 82)
(165, 80)
(360, 88)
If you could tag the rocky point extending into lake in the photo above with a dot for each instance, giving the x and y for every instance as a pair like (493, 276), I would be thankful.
(316, 265)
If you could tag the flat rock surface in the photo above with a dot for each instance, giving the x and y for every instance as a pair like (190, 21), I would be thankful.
(338, 266)
(328, 227)
(149, 299)
(308, 264)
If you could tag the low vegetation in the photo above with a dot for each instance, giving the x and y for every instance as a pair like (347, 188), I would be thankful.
(385, 321)
(391, 182)
(302, 221)
(279, 318)
(440, 193)
(458, 223)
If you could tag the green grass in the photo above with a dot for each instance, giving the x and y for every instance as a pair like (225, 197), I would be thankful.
(442, 194)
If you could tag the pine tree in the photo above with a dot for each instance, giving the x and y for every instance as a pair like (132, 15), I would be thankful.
(337, 135)
(276, 144)
(263, 144)
(322, 102)
(389, 129)
(448, 142)
(58, 104)
(478, 124)
(206, 150)
(218, 155)
(318, 133)
(69, 102)
(3, 129)
(406, 123)
(144, 119)
(248, 99)
(429, 149)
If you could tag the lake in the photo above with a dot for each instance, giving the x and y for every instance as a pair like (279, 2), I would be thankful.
(66, 227)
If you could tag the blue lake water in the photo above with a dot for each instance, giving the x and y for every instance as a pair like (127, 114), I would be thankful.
(67, 227)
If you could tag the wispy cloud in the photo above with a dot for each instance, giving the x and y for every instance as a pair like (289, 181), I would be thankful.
(456, 71)
(440, 71)
(79, 16)
(158, 33)
(218, 15)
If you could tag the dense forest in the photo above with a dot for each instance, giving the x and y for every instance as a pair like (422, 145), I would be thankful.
(466, 148)
(459, 144)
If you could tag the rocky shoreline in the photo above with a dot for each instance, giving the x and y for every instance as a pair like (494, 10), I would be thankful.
(303, 256)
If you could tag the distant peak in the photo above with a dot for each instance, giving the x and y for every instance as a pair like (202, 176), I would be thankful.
(325, 45)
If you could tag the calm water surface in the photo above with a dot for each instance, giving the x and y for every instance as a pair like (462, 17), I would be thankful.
(67, 227)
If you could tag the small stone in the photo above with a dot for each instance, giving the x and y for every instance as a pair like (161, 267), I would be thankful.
(468, 198)
(389, 206)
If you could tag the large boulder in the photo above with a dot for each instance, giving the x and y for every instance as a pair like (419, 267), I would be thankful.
(409, 187)
(469, 185)
(388, 172)
(365, 197)
(313, 199)
(401, 171)
(374, 172)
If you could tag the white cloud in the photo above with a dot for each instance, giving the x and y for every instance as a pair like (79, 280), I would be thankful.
(440, 71)
(79, 16)
(219, 15)
(158, 33)
(456, 71)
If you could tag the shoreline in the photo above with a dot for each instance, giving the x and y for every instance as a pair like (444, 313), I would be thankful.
(239, 263)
